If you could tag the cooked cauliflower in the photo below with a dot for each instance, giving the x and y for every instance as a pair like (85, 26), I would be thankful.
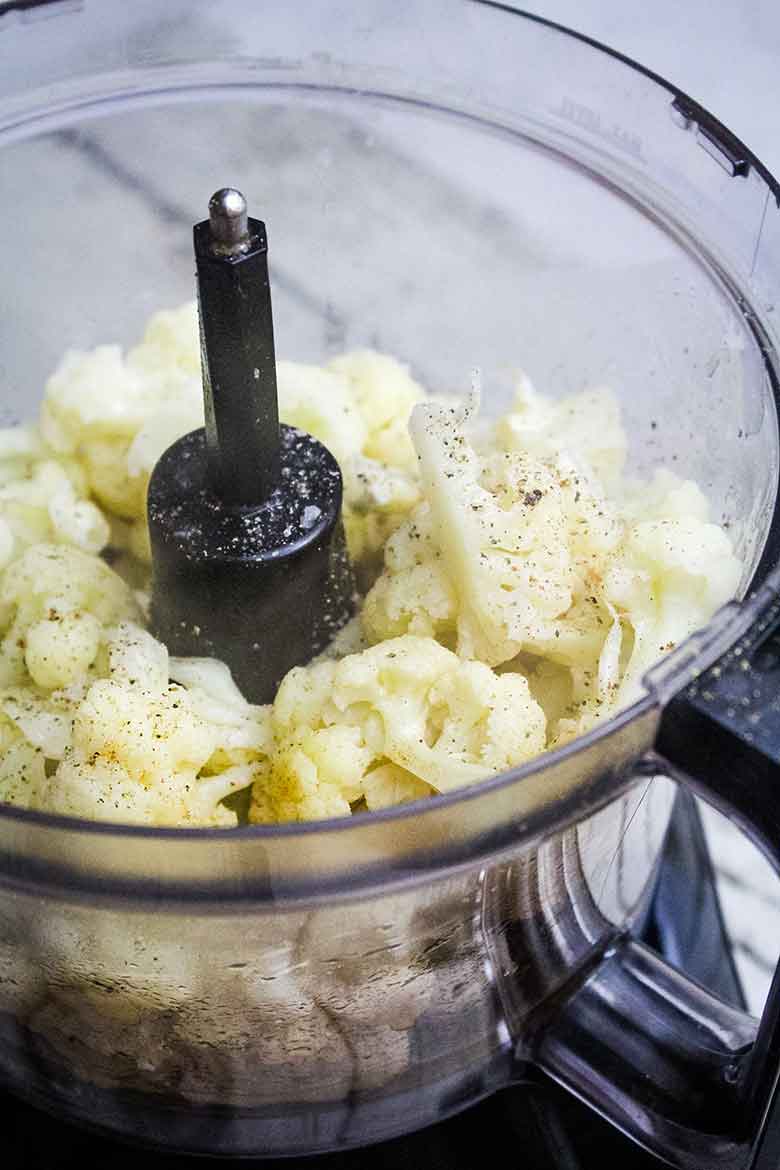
(384, 393)
(408, 708)
(54, 602)
(113, 416)
(44, 499)
(145, 750)
(587, 423)
(503, 549)
(518, 556)
(516, 591)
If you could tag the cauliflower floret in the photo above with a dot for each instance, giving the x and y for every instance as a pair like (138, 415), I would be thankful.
(117, 415)
(22, 772)
(388, 785)
(60, 650)
(384, 393)
(55, 599)
(585, 426)
(140, 749)
(672, 576)
(320, 402)
(381, 484)
(666, 497)
(502, 553)
(407, 702)
(42, 499)
(45, 721)
(171, 342)
(95, 393)
(415, 594)
(20, 449)
(672, 570)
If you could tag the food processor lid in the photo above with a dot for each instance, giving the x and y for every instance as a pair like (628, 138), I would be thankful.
(674, 160)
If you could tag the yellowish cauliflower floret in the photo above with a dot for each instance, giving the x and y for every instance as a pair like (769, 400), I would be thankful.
(141, 746)
(517, 592)
(113, 417)
(22, 771)
(171, 342)
(116, 416)
(514, 553)
(53, 602)
(503, 549)
(384, 393)
(43, 498)
(388, 785)
(409, 703)
(588, 423)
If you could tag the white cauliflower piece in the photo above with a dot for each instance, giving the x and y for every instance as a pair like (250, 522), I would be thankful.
(140, 749)
(672, 570)
(44, 721)
(415, 594)
(384, 393)
(55, 600)
(381, 484)
(377, 498)
(95, 393)
(20, 449)
(22, 772)
(171, 343)
(507, 558)
(319, 401)
(43, 499)
(62, 649)
(501, 556)
(672, 576)
(665, 497)
(407, 702)
(117, 415)
(586, 426)
(389, 785)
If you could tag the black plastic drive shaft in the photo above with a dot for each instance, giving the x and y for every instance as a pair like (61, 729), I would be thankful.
(249, 560)
(237, 351)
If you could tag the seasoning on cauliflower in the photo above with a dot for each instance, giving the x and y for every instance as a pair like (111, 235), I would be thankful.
(54, 601)
(518, 556)
(410, 703)
(516, 591)
(144, 750)
(501, 552)
(588, 423)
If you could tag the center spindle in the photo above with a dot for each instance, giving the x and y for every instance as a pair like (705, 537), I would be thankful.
(248, 551)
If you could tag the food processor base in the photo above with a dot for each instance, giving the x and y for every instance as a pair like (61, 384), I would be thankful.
(544, 1124)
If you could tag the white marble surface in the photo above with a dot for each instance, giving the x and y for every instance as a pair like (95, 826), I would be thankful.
(724, 54)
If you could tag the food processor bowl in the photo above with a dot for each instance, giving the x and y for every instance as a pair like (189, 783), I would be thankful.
(461, 185)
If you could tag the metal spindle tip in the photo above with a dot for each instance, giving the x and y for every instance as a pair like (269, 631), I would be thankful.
(228, 218)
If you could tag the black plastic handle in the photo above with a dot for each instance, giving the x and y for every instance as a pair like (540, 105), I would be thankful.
(691, 1078)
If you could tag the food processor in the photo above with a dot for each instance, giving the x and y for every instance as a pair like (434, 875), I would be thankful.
(461, 185)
